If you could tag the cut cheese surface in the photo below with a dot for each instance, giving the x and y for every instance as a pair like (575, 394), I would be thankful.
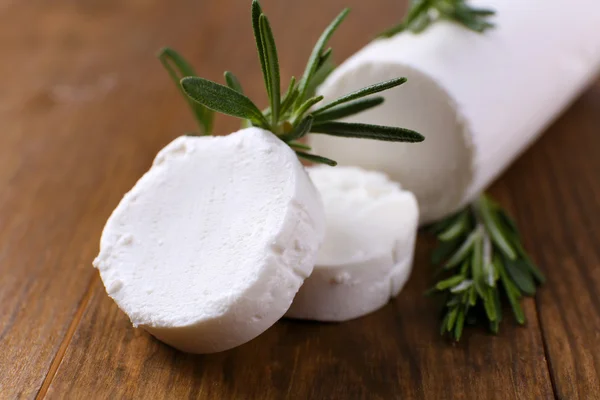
(367, 254)
(479, 99)
(210, 246)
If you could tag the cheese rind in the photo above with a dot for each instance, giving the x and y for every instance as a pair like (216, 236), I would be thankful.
(367, 254)
(479, 99)
(210, 246)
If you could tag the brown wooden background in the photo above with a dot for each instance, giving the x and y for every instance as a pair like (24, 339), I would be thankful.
(84, 107)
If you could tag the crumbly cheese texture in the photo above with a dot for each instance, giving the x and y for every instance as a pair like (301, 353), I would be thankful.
(367, 254)
(211, 245)
(479, 99)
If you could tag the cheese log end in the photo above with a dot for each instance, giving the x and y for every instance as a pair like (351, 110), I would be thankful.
(439, 170)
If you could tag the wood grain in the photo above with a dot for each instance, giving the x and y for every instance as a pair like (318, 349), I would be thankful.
(394, 351)
(84, 108)
(562, 227)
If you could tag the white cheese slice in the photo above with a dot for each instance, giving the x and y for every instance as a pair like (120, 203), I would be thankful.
(210, 246)
(367, 254)
(479, 99)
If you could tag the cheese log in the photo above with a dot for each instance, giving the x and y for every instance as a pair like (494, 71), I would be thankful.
(210, 246)
(479, 99)
(367, 254)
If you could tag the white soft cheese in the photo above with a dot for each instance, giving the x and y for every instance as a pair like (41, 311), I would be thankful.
(479, 99)
(210, 246)
(367, 254)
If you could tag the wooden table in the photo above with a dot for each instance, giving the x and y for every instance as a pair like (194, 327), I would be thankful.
(85, 106)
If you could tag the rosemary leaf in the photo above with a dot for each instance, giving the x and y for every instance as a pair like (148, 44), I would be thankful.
(348, 109)
(460, 323)
(316, 159)
(450, 282)
(489, 274)
(456, 229)
(300, 146)
(223, 99)
(464, 250)
(472, 296)
(285, 107)
(421, 23)
(482, 12)
(289, 97)
(496, 261)
(452, 318)
(537, 274)
(488, 304)
(272, 64)
(521, 276)
(494, 326)
(513, 295)
(367, 131)
(167, 56)
(462, 287)
(304, 107)
(299, 130)
(495, 231)
(508, 222)
(476, 260)
(233, 82)
(325, 58)
(315, 57)
(438, 227)
(379, 87)
(465, 267)
(325, 69)
(256, 13)
(516, 307)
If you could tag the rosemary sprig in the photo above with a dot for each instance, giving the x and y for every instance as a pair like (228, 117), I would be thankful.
(295, 114)
(422, 13)
(178, 68)
(482, 261)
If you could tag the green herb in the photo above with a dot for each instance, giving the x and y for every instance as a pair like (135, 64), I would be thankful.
(348, 109)
(223, 99)
(366, 131)
(483, 241)
(233, 82)
(380, 87)
(422, 13)
(178, 68)
(295, 114)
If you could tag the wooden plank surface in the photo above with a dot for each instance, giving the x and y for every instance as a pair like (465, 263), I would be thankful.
(84, 107)
(562, 227)
(394, 351)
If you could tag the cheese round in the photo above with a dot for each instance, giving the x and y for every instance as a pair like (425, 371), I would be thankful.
(211, 245)
(367, 254)
(479, 99)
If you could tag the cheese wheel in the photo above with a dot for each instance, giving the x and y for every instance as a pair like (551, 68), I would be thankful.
(479, 99)
(210, 246)
(367, 254)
